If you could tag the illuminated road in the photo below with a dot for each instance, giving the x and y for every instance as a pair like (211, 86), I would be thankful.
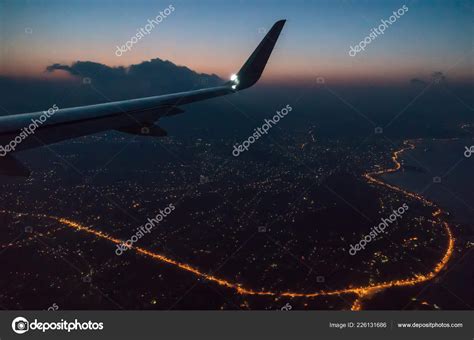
(360, 293)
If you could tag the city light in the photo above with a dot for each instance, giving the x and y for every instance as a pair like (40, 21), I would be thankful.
(360, 292)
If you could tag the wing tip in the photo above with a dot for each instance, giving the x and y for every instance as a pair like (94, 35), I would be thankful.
(280, 22)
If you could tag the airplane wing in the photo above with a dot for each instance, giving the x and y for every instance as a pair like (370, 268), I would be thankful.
(136, 116)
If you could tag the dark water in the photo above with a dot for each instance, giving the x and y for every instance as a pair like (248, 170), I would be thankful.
(455, 194)
(444, 159)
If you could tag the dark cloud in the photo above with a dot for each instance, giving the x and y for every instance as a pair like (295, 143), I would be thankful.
(153, 77)
(88, 69)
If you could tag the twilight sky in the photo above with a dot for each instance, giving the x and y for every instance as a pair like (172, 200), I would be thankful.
(217, 36)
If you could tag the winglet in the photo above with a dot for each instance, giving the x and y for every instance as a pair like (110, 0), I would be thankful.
(251, 71)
